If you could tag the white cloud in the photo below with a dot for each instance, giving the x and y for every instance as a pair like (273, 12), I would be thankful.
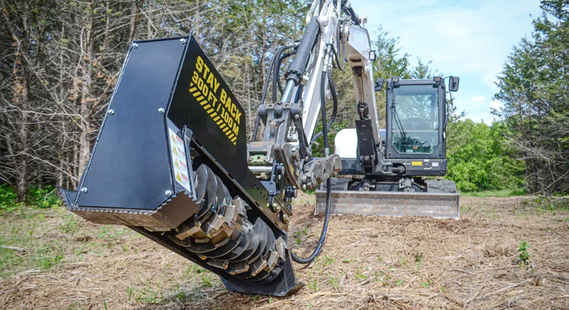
(477, 99)
(496, 104)
(491, 79)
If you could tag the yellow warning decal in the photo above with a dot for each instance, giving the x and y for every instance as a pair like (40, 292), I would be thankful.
(215, 100)
(416, 163)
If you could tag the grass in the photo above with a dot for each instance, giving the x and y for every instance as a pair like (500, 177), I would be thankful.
(496, 193)
(35, 239)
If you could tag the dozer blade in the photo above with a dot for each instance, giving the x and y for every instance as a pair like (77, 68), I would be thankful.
(440, 205)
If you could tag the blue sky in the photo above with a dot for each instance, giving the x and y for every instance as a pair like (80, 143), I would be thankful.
(470, 39)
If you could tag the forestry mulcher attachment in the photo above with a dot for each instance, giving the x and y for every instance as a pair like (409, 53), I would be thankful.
(172, 161)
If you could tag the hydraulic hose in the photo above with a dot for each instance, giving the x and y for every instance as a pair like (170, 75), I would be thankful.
(334, 108)
(268, 80)
(320, 243)
(263, 95)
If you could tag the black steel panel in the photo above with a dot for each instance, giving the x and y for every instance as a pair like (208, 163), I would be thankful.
(130, 167)
(204, 102)
(366, 145)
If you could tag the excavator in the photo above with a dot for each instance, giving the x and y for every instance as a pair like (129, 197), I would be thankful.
(172, 160)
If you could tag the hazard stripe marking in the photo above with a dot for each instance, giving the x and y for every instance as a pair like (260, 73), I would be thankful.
(209, 109)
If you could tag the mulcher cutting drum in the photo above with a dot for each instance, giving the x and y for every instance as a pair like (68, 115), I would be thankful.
(170, 161)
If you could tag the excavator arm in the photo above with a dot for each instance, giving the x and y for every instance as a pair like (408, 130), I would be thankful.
(290, 122)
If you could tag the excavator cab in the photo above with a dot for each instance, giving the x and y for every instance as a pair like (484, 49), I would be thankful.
(416, 122)
(409, 156)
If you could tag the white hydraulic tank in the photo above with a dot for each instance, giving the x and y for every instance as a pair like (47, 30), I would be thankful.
(346, 143)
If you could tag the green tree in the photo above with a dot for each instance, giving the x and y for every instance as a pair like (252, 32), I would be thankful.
(533, 88)
(480, 157)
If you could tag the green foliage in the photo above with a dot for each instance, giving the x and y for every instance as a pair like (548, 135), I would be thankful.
(524, 255)
(480, 158)
(43, 198)
(8, 198)
(39, 198)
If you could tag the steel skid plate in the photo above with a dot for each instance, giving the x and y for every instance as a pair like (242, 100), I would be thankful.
(439, 205)
(170, 113)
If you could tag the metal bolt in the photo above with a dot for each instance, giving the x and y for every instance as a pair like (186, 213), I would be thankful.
(285, 218)
(111, 112)
(296, 116)
(135, 45)
(183, 41)
(168, 193)
(161, 111)
(83, 190)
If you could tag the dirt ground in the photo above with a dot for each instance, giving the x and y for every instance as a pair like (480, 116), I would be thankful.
(54, 260)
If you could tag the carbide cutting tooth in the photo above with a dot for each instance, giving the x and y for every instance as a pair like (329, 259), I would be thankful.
(281, 248)
(241, 206)
(191, 228)
(184, 243)
(261, 276)
(220, 236)
(205, 247)
(230, 215)
(272, 261)
(203, 240)
(257, 266)
(217, 263)
(268, 276)
(212, 225)
(224, 230)
(237, 268)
